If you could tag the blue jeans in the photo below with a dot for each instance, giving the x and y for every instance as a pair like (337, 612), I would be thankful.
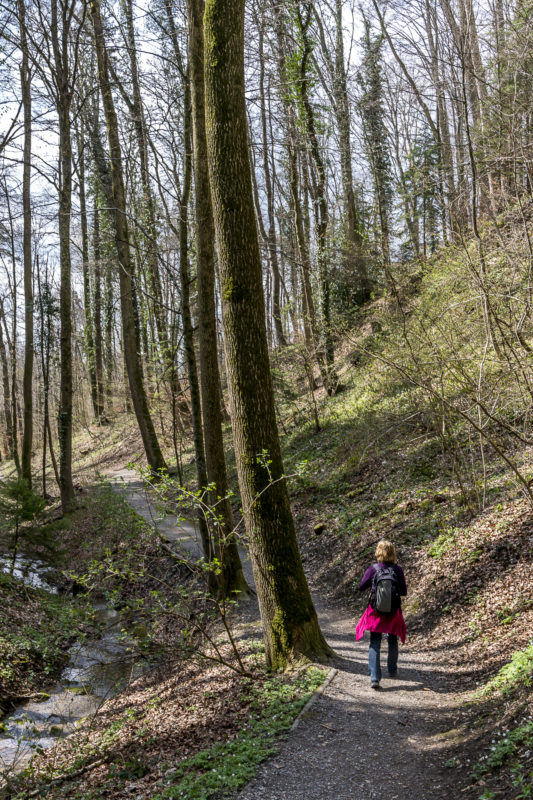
(374, 667)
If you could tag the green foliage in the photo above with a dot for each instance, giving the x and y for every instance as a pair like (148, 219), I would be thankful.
(510, 748)
(442, 544)
(505, 749)
(18, 503)
(514, 675)
(36, 650)
(228, 766)
(523, 781)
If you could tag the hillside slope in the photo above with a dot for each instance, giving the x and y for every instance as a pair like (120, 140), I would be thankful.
(427, 443)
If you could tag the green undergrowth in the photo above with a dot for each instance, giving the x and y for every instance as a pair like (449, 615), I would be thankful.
(395, 455)
(36, 628)
(507, 761)
(104, 520)
(86, 754)
(505, 748)
(215, 773)
(220, 771)
(512, 677)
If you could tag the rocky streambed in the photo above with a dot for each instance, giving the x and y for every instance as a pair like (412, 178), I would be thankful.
(96, 669)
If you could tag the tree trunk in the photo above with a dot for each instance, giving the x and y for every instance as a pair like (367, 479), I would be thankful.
(89, 308)
(443, 126)
(140, 402)
(108, 336)
(139, 124)
(354, 238)
(63, 80)
(97, 311)
(27, 387)
(308, 306)
(6, 392)
(188, 331)
(320, 206)
(355, 257)
(232, 578)
(45, 315)
(271, 235)
(13, 343)
(290, 623)
(65, 314)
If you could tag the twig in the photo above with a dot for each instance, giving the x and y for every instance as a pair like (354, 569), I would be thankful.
(69, 776)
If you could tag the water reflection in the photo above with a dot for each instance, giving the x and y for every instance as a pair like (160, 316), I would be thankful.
(97, 669)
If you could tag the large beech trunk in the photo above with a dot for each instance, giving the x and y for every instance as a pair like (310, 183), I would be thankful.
(290, 624)
(232, 577)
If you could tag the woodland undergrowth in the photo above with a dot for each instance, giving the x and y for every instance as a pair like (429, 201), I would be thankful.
(428, 442)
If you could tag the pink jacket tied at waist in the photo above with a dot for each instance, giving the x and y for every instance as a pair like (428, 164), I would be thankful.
(381, 623)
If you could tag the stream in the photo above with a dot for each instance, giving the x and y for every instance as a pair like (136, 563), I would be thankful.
(97, 668)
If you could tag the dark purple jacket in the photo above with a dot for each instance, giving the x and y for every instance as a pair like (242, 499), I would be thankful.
(366, 582)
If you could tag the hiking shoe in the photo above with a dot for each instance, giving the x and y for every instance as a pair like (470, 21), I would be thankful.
(374, 684)
(393, 675)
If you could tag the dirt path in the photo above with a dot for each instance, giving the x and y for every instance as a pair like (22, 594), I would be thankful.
(354, 743)
(184, 534)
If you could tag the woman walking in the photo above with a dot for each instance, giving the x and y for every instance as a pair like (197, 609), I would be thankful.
(383, 614)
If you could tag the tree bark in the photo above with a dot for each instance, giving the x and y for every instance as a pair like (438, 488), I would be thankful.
(443, 126)
(139, 123)
(27, 387)
(290, 623)
(97, 311)
(6, 391)
(65, 300)
(354, 238)
(186, 320)
(153, 452)
(232, 577)
(89, 308)
(311, 337)
(355, 256)
(103, 320)
(320, 205)
(271, 234)
(63, 78)
(14, 338)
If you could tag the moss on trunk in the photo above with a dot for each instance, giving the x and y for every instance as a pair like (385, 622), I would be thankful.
(290, 624)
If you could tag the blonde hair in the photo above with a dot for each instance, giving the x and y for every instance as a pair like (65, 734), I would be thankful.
(385, 551)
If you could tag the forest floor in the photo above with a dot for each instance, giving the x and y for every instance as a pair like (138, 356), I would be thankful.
(459, 720)
(357, 743)
(469, 615)
(352, 733)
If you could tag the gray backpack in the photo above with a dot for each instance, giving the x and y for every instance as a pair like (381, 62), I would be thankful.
(384, 595)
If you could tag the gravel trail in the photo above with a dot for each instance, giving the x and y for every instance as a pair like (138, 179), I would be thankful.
(354, 743)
